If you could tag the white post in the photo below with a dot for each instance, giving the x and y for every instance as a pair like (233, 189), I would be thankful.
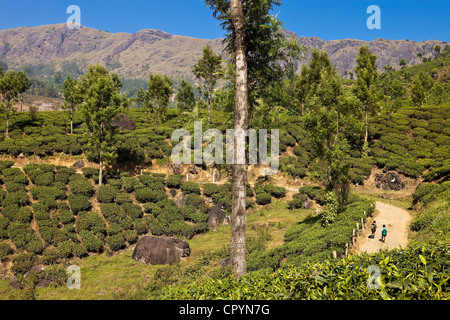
(187, 176)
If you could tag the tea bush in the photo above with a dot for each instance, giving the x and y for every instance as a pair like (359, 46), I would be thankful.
(134, 211)
(405, 275)
(263, 198)
(210, 189)
(107, 194)
(116, 242)
(174, 181)
(146, 195)
(81, 186)
(79, 202)
(189, 187)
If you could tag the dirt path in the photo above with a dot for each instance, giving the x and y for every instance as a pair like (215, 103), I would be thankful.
(397, 223)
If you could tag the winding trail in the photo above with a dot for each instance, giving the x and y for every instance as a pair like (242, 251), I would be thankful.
(397, 223)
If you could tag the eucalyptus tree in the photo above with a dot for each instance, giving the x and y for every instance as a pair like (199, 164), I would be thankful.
(102, 102)
(73, 97)
(260, 53)
(156, 97)
(12, 86)
(185, 97)
(208, 69)
(365, 88)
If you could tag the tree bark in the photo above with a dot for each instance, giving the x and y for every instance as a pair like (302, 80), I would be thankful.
(366, 138)
(7, 125)
(71, 122)
(209, 107)
(100, 172)
(239, 171)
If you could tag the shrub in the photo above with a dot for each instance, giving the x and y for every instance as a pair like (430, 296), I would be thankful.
(65, 248)
(330, 210)
(155, 227)
(11, 172)
(298, 201)
(130, 236)
(116, 242)
(277, 192)
(194, 200)
(110, 210)
(22, 262)
(174, 181)
(149, 195)
(66, 217)
(48, 233)
(198, 217)
(150, 207)
(106, 193)
(20, 233)
(5, 164)
(12, 186)
(188, 211)
(189, 187)
(81, 186)
(50, 255)
(79, 203)
(130, 184)
(35, 246)
(180, 229)
(314, 193)
(79, 250)
(90, 241)
(126, 222)
(263, 198)
(5, 250)
(24, 215)
(287, 140)
(210, 188)
(140, 227)
(44, 179)
(134, 211)
(19, 198)
(114, 228)
(10, 211)
(122, 197)
(90, 221)
(423, 190)
(4, 223)
(43, 192)
(90, 172)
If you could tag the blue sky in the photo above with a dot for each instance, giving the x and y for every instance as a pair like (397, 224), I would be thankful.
(417, 20)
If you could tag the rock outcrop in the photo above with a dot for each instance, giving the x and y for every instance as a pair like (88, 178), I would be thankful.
(160, 251)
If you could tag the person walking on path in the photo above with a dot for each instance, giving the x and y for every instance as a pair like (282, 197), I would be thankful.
(374, 229)
(383, 233)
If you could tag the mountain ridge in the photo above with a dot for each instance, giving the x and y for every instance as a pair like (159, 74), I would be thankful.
(151, 50)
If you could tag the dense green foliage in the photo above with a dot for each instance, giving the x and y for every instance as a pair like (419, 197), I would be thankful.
(418, 273)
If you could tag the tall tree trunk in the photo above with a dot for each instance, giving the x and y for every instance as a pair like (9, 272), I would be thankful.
(239, 171)
(71, 122)
(100, 172)
(366, 138)
(209, 107)
(7, 125)
(100, 155)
